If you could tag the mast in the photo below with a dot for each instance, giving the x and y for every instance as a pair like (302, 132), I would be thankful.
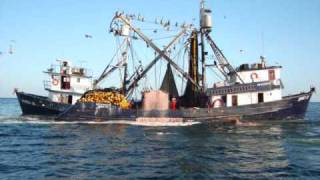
(205, 28)
(125, 66)
(203, 56)
(203, 60)
(223, 64)
(125, 75)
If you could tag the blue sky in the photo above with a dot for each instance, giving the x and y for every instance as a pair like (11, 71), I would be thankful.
(285, 31)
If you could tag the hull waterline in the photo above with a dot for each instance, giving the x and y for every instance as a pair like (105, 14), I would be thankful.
(290, 107)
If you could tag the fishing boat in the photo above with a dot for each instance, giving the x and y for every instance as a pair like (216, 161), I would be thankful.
(248, 92)
(65, 86)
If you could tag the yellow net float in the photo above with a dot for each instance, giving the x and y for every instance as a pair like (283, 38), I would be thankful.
(103, 97)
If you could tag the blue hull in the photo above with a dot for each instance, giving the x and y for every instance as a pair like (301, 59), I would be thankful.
(39, 105)
(290, 107)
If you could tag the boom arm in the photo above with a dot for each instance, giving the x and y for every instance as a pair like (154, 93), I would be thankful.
(158, 50)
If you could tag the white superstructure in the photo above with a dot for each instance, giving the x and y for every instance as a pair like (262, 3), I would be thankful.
(253, 84)
(67, 83)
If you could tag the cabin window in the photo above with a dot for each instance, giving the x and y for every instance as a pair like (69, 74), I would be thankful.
(235, 100)
(78, 80)
(224, 99)
(65, 82)
(272, 75)
(60, 98)
(70, 99)
(260, 98)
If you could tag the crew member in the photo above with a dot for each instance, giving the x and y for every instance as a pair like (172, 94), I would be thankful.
(173, 104)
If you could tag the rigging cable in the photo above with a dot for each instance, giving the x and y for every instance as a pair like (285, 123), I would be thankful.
(155, 73)
(112, 59)
(178, 56)
(161, 38)
(183, 66)
(217, 75)
(121, 56)
(160, 71)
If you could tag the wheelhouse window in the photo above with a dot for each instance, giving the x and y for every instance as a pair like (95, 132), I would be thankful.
(260, 98)
(234, 100)
(70, 99)
(65, 82)
(272, 75)
(224, 99)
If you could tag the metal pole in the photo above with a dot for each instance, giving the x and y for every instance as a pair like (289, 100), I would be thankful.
(203, 55)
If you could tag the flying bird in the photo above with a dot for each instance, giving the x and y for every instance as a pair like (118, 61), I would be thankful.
(87, 36)
(10, 50)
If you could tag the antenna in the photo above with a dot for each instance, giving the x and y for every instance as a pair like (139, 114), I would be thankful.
(202, 4)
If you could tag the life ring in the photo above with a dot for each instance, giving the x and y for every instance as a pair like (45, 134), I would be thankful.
(55, 82)
(254, 76)
(215, 103)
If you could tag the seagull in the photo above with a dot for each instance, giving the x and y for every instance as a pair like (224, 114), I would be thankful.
(87, 36)
(10, 50)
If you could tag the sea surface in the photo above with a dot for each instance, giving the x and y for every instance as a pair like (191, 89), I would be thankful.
(33, 148)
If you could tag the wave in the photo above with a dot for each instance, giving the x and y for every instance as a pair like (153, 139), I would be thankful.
(164, 133)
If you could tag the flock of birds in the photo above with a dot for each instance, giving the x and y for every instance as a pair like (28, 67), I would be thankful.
(10, 50)
(166, 24)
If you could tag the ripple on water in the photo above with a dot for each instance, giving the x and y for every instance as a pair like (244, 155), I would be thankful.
(41, 148)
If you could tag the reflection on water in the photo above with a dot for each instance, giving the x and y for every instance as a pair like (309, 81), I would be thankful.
(272, 149)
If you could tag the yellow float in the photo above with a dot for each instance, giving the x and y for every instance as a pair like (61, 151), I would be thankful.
(102, 97)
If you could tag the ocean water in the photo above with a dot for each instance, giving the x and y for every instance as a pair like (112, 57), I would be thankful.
(32, 148)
